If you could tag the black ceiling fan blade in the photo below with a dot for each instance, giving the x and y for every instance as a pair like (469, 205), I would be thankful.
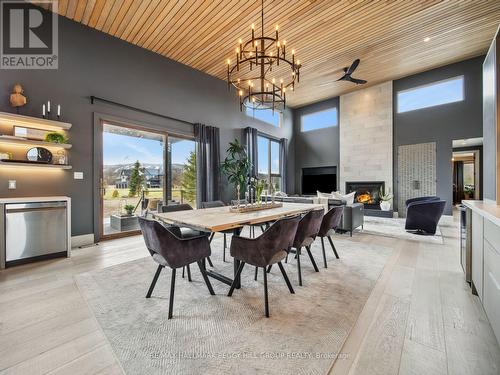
(358, 81)
(345, 77)
(353, 66)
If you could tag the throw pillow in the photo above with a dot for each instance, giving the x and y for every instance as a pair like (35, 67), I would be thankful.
(324, 195)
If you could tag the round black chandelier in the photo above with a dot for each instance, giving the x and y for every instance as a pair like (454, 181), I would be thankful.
(263, 71)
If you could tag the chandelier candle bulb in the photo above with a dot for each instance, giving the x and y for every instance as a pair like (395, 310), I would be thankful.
(48, 106)
(58, 110)
(253, 32)
(277, 32)
(43, 111)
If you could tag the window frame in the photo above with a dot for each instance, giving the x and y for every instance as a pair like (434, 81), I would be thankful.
(269, 173)
(315, 112)
(252, 115)
(459, 77)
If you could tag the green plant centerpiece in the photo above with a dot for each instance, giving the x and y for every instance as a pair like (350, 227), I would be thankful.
(236, 166)
(54, 137)
(129, 209)
(385, 199)
(259, 186)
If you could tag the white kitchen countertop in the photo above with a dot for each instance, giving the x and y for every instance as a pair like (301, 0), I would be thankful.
(33, 199)
(488, 209)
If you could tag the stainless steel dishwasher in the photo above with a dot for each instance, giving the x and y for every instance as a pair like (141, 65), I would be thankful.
(35, 231)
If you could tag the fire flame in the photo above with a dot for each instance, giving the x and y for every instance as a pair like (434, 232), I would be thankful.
(365, 198)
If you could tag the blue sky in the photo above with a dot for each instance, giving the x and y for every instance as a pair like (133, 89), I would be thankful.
(448, 91)
(319, 120)
(124, 149)
(263, 155)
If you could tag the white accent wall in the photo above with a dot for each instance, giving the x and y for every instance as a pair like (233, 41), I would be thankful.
(366, 143)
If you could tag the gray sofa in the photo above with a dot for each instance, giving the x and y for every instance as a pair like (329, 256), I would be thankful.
(352, 218)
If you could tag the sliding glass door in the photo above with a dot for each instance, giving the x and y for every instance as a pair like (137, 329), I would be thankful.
(181, 170)
(133, 176)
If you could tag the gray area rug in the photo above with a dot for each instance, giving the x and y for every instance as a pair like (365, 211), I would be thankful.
(395, 227)
(223, 335)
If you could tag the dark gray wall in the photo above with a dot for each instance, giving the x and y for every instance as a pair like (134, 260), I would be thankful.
(441, 124)
(93, 63)
(316, 148)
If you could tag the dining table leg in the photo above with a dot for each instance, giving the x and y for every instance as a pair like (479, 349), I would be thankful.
(237, 278)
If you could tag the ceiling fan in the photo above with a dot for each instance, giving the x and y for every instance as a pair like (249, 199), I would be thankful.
(348, 70)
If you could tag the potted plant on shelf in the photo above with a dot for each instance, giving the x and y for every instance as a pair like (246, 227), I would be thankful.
(469, 191)
(236, 166)
(385, 200)
(54, 137)
(129, 209)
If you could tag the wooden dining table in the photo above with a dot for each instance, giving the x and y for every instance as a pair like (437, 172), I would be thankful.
(220, 219)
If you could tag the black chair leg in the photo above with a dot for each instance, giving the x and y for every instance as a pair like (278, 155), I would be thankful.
(210, 262)
(211, 237)
(266, 301)
(205, 277)
(153, 283)
(324, 253)
(256, 273)
(224, 251)
(236, 277)
(333, 247)
(262, 229)
(172, 289)
(269, 268)
(189, 273)
(308, 248)
(183, 268)
(286, 259)
(297, 255)
(287, 281)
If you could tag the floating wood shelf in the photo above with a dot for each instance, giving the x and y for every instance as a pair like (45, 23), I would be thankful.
(13, 119)
(35, 165)
(31, 142)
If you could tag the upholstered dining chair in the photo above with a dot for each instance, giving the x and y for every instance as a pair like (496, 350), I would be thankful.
(185, 232)
(169, 250)
(212, 204)
(330, 222)
(307, 230)
(269, 248)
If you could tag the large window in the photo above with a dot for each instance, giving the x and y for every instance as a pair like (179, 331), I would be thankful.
(268, 163)
(319, 120)
(437, 93)
(265, 115)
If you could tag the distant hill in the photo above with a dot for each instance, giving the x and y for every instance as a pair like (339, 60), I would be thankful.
(112, 172)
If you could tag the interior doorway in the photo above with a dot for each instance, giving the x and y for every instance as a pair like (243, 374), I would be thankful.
(467, 165)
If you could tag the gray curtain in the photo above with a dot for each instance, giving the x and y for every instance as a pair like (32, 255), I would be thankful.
(283, 158)
(251, 135)
(207, 163)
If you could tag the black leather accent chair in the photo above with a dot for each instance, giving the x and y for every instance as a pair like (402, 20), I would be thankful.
(212, 204)
(169, 250)
(329, 225)
(423, 214)
(269, 248)
(307, 230)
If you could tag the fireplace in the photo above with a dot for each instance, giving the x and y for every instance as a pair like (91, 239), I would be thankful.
(322, 179)
(367, 192)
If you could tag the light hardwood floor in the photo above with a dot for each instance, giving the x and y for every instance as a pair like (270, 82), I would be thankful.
(420, 318)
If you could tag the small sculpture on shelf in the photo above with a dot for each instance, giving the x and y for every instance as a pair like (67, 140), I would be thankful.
(17, 99)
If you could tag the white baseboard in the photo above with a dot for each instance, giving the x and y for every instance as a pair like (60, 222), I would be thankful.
(82, 240)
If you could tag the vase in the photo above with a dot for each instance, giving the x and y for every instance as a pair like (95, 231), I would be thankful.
(385, 205)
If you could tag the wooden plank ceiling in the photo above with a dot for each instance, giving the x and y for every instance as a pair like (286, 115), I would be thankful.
(388, 36)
